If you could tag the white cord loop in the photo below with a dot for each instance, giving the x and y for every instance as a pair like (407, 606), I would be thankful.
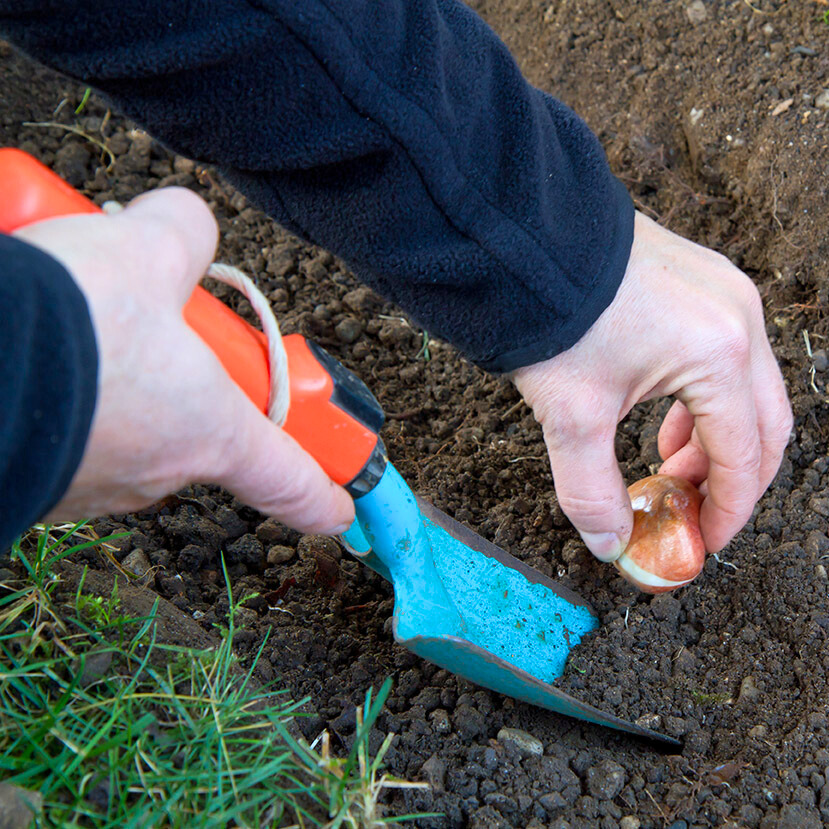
(279, 394)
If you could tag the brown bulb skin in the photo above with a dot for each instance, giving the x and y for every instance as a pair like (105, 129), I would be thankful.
(666, 550)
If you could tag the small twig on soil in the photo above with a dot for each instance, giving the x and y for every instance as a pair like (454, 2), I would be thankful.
(514, 408)
(76, 131)
(354, 608)
(812, 368)
(765, 14)
(526, 458)
(808, 344)
(398, 319)
(655, 215)
(661, 812)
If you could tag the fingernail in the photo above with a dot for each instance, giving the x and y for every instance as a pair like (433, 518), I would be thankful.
(340, 529)
(605, 546)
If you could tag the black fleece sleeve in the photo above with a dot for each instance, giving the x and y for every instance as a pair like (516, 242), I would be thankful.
(399, 134)
(48, 384)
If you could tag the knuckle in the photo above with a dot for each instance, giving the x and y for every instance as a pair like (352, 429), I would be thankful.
(587, 508)
(741, 465)
(734, 342)
(729, 347)
(577, 420)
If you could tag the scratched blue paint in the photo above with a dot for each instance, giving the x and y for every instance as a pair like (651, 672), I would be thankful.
(525, 624)
(469, 613)
(445, 589)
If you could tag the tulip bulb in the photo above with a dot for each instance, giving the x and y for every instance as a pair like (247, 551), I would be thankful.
(666, 549)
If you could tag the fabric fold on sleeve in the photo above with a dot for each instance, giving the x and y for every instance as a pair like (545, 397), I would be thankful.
(398, 134)
(48, 384)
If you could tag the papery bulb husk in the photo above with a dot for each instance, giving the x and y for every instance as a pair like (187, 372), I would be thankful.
(666, 550)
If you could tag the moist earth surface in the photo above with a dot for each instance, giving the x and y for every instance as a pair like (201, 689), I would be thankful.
(715, 116)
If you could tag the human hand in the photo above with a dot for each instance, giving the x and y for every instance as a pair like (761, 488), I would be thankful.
(167, 413)
(687, 323)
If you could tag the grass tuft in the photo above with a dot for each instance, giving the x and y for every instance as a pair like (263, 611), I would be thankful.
(114, 729)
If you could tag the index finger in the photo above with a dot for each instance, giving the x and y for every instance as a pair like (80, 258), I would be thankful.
(728, 432)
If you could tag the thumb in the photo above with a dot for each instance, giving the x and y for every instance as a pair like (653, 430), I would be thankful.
(590, 488)
(179, 231)
(268, 470)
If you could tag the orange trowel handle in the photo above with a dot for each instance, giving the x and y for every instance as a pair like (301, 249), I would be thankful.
(332, 415)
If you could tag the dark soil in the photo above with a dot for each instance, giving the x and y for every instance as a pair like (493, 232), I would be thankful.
(710, 113)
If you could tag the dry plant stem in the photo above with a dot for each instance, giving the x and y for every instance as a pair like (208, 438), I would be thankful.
(76, 131)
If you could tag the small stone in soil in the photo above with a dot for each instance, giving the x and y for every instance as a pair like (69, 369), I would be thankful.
(440, 721)
(348, 330)
(136, 563)
(316, 545)
(749, 692)
(696, 12)
(652, 721)
(278, 554)
(270, 531)
(434, 770)
(605, 780)
(95, 666)
(525, 744)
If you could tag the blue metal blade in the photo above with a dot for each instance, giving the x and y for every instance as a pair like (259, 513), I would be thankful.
(471, 608)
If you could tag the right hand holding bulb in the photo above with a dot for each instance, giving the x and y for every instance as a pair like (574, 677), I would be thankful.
(686, 323)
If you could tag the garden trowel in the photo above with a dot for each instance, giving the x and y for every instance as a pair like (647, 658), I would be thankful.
(460, 601)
